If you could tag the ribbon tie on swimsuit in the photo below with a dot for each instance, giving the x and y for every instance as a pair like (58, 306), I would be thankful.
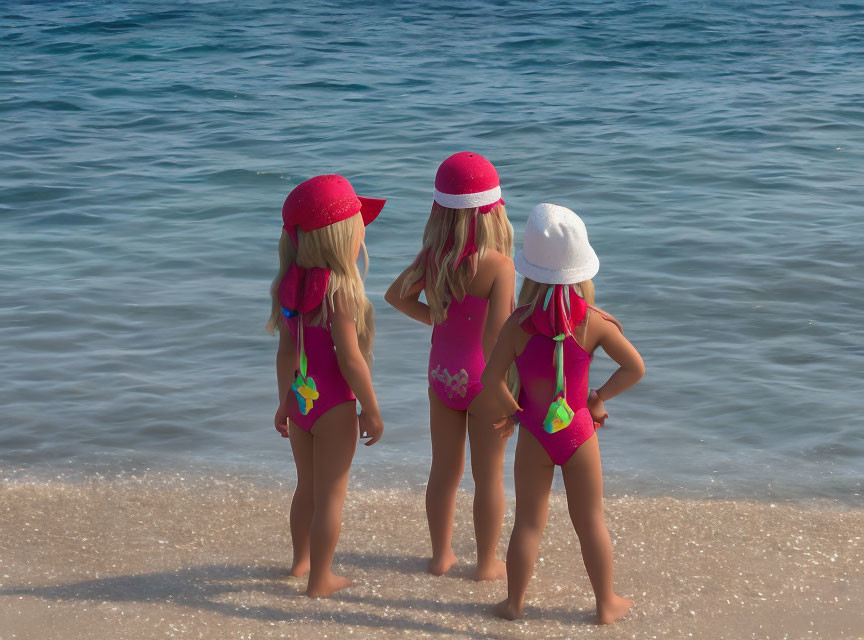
(560, 415)
(301, 291)
(557, 320)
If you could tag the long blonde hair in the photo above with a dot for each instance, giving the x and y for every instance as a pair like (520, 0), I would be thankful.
(531, 294)
(435, 266)
(333, 247)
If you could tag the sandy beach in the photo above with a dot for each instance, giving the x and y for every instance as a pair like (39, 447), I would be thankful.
(172, 556)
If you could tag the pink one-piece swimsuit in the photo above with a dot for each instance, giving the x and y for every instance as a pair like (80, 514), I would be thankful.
(323, 367)
(537, 377)
(456, 360)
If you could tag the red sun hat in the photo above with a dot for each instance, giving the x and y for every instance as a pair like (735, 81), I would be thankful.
(324, 200)
(466, 180)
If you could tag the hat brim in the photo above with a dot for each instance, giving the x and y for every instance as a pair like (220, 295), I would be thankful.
(583, 272)
(370, 208)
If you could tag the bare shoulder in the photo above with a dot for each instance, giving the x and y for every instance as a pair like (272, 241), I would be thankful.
(599, 327)
(340, 310)
(496, 260)
(494, 267)
(603, 320)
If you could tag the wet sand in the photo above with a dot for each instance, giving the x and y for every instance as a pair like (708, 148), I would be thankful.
(170, 556)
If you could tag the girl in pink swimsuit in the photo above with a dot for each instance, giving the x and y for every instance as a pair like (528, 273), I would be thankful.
(324, 319)
(552, 337)
(465, 271)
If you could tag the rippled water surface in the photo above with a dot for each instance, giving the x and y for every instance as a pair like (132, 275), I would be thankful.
(715, 150)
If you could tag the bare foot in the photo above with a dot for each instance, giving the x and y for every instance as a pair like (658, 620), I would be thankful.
(496, 571)
(617, 608)
(299, 568)
(327, 586)
(440, 566)
(507, 611)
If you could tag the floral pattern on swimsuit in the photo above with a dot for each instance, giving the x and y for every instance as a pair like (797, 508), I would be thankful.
(457, 383)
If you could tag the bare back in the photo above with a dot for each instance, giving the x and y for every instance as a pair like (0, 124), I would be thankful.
(489, 269)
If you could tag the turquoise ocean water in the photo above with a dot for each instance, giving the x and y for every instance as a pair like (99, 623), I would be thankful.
(715, 150)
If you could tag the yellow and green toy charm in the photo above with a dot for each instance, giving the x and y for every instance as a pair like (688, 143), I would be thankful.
(304, 385)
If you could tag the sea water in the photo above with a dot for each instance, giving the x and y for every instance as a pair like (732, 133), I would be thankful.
(715, 151)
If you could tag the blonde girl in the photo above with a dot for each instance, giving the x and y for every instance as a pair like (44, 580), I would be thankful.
(465, 271)
(552, 337)
(323, 317)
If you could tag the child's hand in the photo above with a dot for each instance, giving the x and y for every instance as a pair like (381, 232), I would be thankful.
(486, 408)
(597, 409)
(505, 426)
(371, 426)
(281, 420)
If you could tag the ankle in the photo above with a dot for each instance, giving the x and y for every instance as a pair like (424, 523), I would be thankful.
(487, 560)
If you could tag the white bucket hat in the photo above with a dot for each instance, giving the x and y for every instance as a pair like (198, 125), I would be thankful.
(555, 249)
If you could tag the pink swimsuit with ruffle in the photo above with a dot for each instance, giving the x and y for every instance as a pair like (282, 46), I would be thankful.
(456, 360)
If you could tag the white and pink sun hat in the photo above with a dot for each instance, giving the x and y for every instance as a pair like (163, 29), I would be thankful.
(467, 180)
(555, 249)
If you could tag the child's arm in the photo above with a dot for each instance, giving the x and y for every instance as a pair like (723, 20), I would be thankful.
(410, 305)
(354, 369)
(286, 363)
(500, 301)
(367, 343)
(494, 403)
(630, 365)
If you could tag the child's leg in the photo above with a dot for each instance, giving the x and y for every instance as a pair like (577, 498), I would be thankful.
(487, 462)
(334, 439)
(533, 473)
(302, 502)
(448, 463)
(583, 480)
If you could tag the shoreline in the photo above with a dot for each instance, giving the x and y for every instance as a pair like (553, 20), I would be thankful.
(171, 556)
(409, 476)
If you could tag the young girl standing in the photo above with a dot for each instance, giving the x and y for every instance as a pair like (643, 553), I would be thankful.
(323, 317)
(552, 337)
(465, 271)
